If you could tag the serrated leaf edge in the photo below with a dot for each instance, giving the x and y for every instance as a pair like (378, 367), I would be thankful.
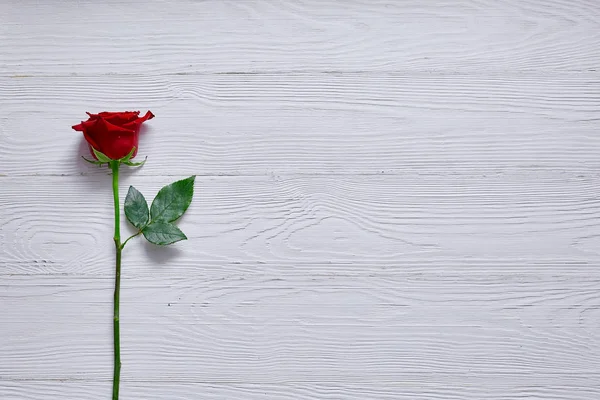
(193, 181)
(165, 223)
(145, 201)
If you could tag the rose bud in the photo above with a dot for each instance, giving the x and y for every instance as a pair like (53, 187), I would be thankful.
(113, 133)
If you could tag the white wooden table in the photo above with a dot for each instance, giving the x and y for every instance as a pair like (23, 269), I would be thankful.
(395, 199)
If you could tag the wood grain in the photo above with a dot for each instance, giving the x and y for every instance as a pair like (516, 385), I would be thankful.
(372, 331)
(78, 37)
(312, 124)
(540, 221)
(423, 388)
(395, 199)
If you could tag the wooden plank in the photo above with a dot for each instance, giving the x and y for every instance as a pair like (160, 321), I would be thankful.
(423, 388)
(283, 330)
(78, 37)
(312, 124)
(396, 200)
(522, 222)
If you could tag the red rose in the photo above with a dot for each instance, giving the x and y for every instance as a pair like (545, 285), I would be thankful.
(113, 133)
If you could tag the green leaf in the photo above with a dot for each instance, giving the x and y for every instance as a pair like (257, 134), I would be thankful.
(172, 200)
(136, 208)
(163, 233)
(103, 158)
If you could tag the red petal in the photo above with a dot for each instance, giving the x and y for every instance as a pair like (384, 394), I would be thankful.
(78, 127)
(113, 133)
(116, 118)
(116, 141)
(135, 125)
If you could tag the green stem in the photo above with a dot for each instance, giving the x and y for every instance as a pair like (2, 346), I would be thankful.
(114, 165)
(129, 238)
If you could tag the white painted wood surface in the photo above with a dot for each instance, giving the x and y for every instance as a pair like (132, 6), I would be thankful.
(395, 199)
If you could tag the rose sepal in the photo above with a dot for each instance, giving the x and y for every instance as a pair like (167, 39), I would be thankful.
(135, 164)
(127, 159)
(104, 159)
(128, 156)
(92, 161)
